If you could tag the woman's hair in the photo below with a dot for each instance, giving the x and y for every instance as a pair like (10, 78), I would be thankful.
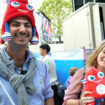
(72, 70)
(92, 59)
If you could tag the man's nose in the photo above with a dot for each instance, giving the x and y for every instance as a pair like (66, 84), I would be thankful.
(22, 28)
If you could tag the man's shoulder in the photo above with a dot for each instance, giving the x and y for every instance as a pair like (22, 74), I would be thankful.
(41, 68)
(40, 64)
(48, 58)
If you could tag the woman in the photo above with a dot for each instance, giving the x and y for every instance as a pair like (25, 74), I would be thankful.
(75, 94)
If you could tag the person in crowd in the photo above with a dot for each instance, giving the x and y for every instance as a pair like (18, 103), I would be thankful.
(72, 71)
(24, 80)
(75, 94)
(44, 51)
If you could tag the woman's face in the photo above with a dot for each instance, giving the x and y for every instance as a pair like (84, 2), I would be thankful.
(101, 60)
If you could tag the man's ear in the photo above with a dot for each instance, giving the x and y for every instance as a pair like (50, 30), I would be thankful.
(45, 50)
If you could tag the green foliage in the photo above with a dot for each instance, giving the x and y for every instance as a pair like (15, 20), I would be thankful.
(56, 11)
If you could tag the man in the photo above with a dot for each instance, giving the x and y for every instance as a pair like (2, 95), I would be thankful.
(23, 79)
(44, 51)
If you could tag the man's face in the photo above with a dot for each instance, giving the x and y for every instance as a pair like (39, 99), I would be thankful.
(21, 30)
(42, 51)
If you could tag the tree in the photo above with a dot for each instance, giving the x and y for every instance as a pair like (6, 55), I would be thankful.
(56, 11)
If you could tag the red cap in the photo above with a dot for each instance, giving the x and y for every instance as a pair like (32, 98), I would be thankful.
(18, 8)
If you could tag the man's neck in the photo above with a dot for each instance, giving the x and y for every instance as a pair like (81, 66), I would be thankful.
(45, 54)
(17, 54)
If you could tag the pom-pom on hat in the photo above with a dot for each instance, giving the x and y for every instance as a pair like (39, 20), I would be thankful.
(18, 8)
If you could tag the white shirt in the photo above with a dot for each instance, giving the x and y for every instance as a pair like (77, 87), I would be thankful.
(51, 68)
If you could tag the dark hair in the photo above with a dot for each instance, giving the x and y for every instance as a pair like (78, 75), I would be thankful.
(45, 47)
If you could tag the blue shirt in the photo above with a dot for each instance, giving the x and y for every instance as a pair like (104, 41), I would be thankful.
(41, 81)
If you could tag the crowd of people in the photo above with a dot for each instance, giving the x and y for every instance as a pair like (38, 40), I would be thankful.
(25, 80)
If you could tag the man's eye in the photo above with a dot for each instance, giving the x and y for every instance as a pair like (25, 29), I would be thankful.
(16, 25)
(28, 25)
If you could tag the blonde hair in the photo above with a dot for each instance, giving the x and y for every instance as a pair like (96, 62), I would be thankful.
(92, 59)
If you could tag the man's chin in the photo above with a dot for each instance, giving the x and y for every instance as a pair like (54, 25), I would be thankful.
(18, 43)
(21, 44)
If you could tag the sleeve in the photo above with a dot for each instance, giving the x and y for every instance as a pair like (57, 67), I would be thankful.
(75, 86)
(67, 83)
(47, 64)
(48, 92)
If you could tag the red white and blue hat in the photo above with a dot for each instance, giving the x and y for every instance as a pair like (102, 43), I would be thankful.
(18, 8)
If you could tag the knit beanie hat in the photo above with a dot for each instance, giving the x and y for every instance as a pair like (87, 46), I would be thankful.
(18, 8)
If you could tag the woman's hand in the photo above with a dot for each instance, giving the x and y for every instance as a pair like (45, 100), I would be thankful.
(85, 100)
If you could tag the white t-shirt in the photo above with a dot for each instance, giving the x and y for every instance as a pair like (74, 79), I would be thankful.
(51, 68)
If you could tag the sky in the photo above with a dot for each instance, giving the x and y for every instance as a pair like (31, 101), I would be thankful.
(35, 3)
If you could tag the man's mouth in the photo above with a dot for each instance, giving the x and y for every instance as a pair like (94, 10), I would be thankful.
(21, 36)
